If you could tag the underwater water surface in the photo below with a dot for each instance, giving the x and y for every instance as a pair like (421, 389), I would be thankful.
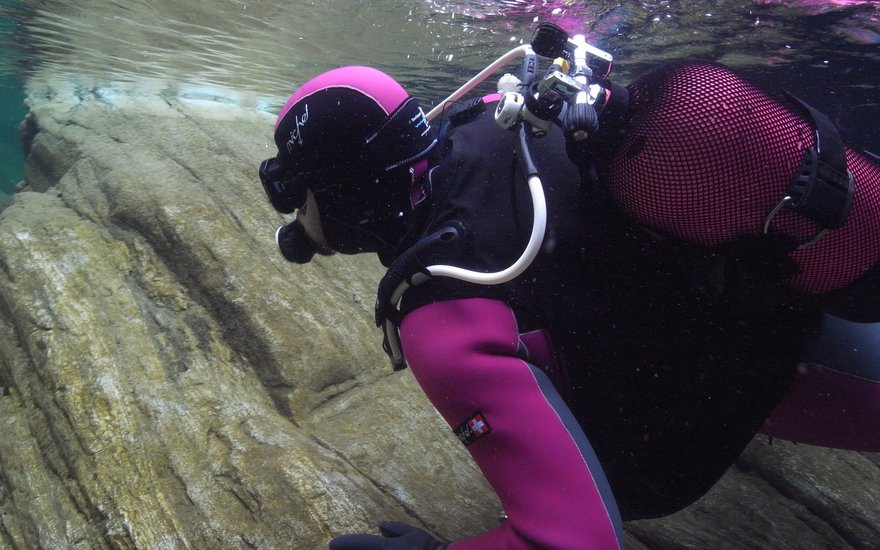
(254, 53)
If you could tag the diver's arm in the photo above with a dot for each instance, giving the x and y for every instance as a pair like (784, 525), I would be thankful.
(517, 428)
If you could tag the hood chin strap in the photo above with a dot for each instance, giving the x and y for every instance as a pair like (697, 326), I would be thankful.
(376, 236)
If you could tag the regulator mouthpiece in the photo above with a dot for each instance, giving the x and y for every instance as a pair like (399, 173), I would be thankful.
(294, 244)
(551, 41)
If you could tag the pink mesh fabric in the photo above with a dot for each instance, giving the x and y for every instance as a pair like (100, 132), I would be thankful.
(846, 253)
(707, 156)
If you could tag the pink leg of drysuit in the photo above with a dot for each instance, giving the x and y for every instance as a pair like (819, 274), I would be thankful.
(829, 408)
(535, 456)
(835, 398)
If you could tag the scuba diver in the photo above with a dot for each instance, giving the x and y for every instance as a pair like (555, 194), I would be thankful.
(605, 291)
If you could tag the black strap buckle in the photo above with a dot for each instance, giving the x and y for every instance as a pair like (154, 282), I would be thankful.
(823, 188)
(820, 191)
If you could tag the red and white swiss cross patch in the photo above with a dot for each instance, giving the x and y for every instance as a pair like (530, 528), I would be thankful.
(473, 429)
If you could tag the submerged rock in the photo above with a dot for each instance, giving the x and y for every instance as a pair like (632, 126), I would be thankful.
(169, 381)
(172, 381)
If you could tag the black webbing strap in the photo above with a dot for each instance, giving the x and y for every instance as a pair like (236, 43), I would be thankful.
(823, 188)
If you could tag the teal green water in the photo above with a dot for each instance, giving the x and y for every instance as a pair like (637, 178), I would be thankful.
(12, 112)
(12, 109)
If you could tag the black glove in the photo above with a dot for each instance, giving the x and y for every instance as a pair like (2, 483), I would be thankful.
(395, 536)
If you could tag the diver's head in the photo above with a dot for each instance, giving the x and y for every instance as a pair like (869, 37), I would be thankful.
(346, 140)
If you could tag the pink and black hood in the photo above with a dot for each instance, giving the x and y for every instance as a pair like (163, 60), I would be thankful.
(350, 135)
(352, 117)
